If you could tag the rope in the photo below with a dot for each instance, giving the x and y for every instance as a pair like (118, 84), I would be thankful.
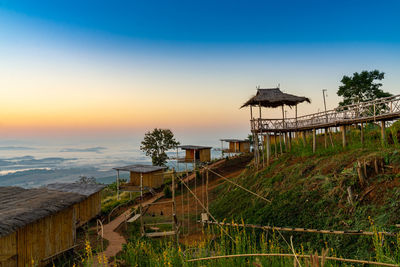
(208, 212)
(291, 255)
(245, 189)
(287, 229)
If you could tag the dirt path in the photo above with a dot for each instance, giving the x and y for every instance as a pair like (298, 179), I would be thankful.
(115, 239)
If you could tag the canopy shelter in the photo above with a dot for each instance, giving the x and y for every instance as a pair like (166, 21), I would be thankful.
(194, 154)
(141, 177)
(270, 98)
(236, 146)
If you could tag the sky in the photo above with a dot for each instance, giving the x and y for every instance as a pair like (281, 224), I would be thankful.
(116, 69)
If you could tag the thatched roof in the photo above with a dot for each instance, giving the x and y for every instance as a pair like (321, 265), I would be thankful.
(274, 97)
(81, 189)
(191, 147)
(19, 207)
(140, 168)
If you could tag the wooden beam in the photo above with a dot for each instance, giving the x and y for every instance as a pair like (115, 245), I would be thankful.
(383, 132)
(362, 134)
(343, 130)
(268, 149)
(314, 139)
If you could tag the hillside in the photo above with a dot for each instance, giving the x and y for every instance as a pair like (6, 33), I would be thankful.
(312, 191)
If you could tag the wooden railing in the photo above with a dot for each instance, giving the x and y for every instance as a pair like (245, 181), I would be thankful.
(380, 109)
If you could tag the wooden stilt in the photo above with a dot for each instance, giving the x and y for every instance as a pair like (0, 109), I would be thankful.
(383, 132)
(290, 140)
(275, 145)
(362, 133)
(303, 137)
(330, 137)
(314, 139)
(263, 149)
(207, 189)
(343, 130)
(326, 137)
(117, 184)
(280, 142)
(268, 149)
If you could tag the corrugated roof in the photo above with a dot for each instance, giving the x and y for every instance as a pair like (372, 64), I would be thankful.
(140, 168)
(19, 206)
(274, 97)
(191, 147)
(82, 189)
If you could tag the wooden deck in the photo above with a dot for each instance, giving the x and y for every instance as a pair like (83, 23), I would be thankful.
(383, 109)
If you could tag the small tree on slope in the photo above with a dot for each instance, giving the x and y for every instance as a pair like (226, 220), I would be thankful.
(156, 143)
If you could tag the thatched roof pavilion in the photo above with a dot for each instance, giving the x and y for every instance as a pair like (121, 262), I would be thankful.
(274, 97)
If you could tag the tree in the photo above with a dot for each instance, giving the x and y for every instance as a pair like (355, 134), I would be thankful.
(361, 87)
(156, 143)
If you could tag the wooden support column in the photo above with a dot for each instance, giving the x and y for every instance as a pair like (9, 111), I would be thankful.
(326, 137)
(362, 134)
(268, 149)
(276, 145)
(289, 140)
(343, 130)
(314, 140)
(383, 132)
(280, 142)
(303, 137)
(117, 184)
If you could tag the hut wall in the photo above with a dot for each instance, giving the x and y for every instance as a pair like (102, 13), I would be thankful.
(88, 209)
(152, 179)
(189, 156)
(8, 250)
(244, 147)
(231, 147)
(45, 238)
(205, 155)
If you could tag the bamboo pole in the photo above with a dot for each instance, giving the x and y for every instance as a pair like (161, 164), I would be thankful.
(268, 149)
(383, 132)
(343, 130)
(314, 140)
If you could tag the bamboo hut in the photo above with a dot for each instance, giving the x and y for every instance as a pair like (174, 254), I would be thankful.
(236, 146)
(141, 177)
(196, 153)
(35, 225)
(271, 98)
(90, 207)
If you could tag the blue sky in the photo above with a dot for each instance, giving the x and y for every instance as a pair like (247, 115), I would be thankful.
(79, 67)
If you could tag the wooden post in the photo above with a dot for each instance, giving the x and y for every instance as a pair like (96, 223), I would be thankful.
(362, 133)
(117, 184)
(268, 149)
(290, 140)
(326, 137)
(295, 109)
(207, 189)
(173, 204)
(330, 137)
(343, 130)
(303, 137)
(383, 132)
(263, 149)
(280, 142)
(314, 141)
(141, 186)
(275, 145)
(283, 117)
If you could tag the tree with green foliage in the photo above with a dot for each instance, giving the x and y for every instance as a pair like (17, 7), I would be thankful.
(156, 143)
(361, 87)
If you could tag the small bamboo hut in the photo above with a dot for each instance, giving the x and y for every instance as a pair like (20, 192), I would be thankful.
(196, 153)
(90, 207)
(236, 146)
(270, 98)
(141, 177)
(35, 225)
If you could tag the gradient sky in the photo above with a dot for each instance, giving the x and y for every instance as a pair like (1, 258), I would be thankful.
(98, 68)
